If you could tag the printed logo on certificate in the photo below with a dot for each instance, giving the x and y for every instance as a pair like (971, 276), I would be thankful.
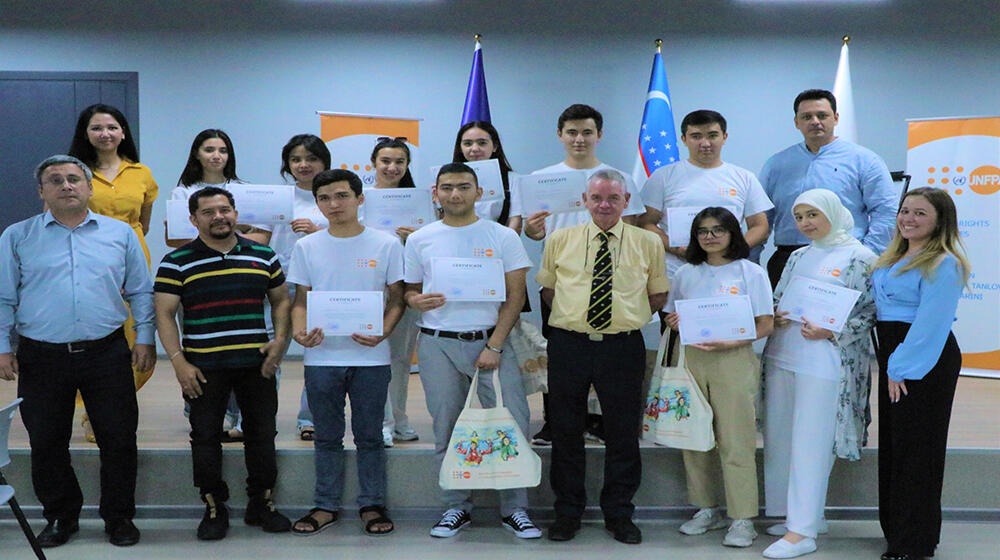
(467, 279)
(487, 175)
(345, 313)
(715, 319)
(263, 204)
(822, 304)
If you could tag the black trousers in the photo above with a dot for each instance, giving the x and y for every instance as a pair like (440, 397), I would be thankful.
(615, 367)
(912, 440)
(48, 382)
(777, 262)
(258, 400)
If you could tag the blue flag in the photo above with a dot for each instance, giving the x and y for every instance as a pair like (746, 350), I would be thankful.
(657, 138)
(477, 103)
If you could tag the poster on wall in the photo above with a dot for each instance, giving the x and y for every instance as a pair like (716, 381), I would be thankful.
(962, 156)
(351, 138)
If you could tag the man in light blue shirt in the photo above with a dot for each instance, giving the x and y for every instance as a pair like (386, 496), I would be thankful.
(822, 161)
(65, 278)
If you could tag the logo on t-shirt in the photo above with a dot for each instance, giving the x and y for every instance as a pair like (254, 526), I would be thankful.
(835, 272)
(728, 191)
(728, 290)
(482, 252)
(366, 263)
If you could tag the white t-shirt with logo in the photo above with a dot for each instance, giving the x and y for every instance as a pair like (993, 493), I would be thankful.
(740, 277)
(283, 238)
(685, 184)
(366, 262)
(570, 219)
(480, 239)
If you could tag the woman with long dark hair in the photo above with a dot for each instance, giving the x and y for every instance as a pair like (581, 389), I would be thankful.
(479, 141)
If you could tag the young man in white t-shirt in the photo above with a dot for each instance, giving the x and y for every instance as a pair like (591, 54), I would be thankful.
(704, 180)
(459, 337)
(346, 257)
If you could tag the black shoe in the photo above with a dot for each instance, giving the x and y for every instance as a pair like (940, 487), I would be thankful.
(215, 523)
(121, 532)
(57, 532)
(262, 513)
(624, 530)
(564, 528)
(543, 437)
(901, 556)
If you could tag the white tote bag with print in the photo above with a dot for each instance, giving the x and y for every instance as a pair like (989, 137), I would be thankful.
(676, 413)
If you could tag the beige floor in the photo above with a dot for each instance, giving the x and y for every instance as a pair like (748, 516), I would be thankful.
(162, 425)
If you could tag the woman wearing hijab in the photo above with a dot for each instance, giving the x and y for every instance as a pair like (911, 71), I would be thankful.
(817, 381)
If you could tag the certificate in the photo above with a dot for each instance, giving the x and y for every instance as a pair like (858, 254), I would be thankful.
(264, 204)
(824, 305)
(679, 223)
(468, 279)
(488, 176)
(179, 224)
(387, 209)
(716, 319)
(345, 313)
(557, 193)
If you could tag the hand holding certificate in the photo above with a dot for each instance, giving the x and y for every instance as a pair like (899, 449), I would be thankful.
(487, 175)
(263, 204)
(179, 224)
(556, 193)
(467, 279)
(822, 304)
(345, 313)
(388, 209)
(717, 319)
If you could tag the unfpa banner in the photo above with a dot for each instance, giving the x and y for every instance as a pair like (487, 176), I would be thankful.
(351, 139)
(962, 156)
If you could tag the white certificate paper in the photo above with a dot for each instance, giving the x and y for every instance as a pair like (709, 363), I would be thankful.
(345, 313)
(264, 204)
(387, 209)
(824, 305)
(715, 319)
(488, 175)
(557, 193)
(468, 279)
(679, 223)
(179, 224)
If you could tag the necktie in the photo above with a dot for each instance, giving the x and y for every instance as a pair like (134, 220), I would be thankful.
(599, 312)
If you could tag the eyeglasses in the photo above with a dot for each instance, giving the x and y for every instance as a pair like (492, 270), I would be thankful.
(58, 181)
(386, 139)
(717, 231)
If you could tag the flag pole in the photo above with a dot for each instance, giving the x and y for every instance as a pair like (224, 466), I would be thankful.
(659, 43)
(478, 37)
(847, 39)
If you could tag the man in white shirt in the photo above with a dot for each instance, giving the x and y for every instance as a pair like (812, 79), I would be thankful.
(459, 337)
(704, 180)
(346, 257)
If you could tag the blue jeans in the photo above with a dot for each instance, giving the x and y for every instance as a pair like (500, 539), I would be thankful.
(326, 387)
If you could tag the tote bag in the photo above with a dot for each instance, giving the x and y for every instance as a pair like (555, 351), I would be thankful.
(676, 412)
(529, 349)
(487, 449)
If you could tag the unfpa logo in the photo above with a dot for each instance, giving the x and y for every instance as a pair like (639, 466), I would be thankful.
(366, 263)
(726, 191)
(985, 180)
(482, 252)
(835, 272)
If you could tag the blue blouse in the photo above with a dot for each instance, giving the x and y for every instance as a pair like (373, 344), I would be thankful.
(928, 304)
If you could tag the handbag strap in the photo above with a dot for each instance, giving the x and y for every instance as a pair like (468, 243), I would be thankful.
(472, 397)
(661, 352)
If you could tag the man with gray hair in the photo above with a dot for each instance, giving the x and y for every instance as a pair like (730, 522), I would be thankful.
(603, 280)
(65, 278)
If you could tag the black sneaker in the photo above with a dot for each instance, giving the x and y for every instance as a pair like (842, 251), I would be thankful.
(520, 524)
(543, 437)
(453, 521)
(262, 513)
(215, 523)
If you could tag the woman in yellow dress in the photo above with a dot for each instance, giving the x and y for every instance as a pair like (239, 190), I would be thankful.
(124, 189)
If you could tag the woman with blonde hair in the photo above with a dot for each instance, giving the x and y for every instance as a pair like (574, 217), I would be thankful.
(918, 282)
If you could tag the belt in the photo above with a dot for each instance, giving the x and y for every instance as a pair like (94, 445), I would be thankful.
(77, 346)
(467, 336)
(598, 337)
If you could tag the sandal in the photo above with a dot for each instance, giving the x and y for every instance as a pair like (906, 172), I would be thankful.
(382, 518)
(314, 526)
(307, 433)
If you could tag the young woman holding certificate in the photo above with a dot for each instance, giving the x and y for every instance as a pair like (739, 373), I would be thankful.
(391, 160)
(479, 141)
(918, 281)
(817, 381)
(726, 372)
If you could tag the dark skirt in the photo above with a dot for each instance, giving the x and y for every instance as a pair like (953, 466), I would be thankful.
(912, 441)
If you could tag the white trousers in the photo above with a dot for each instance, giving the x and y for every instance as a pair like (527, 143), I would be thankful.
(799, 431)
(402, 343)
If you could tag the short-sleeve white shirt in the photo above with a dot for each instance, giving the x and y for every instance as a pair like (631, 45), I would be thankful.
(283, 238)
(740, 277)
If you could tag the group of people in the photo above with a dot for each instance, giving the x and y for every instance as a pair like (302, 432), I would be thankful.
(74, 275)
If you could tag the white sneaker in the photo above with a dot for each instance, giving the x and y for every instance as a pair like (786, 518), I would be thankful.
(781, 529)
(453, 521)
(387, 438)
(408, 434)
(521, 525)
(707, 519)
(784, 549)
(741, 534)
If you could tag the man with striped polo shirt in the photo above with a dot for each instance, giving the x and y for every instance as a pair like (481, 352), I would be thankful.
(221, 279)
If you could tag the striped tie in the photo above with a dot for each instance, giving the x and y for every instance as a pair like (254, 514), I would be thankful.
(599, 312)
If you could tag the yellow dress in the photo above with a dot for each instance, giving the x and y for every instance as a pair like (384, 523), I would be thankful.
(123, 198)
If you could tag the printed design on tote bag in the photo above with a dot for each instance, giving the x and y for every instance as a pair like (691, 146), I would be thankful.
(475, 449)
(670, 398)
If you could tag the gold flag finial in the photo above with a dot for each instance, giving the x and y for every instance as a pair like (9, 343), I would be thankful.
(659, 43)
(478, 37)
(847, 39)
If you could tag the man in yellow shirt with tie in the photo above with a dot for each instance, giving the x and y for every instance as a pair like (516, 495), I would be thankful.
(603, 280)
